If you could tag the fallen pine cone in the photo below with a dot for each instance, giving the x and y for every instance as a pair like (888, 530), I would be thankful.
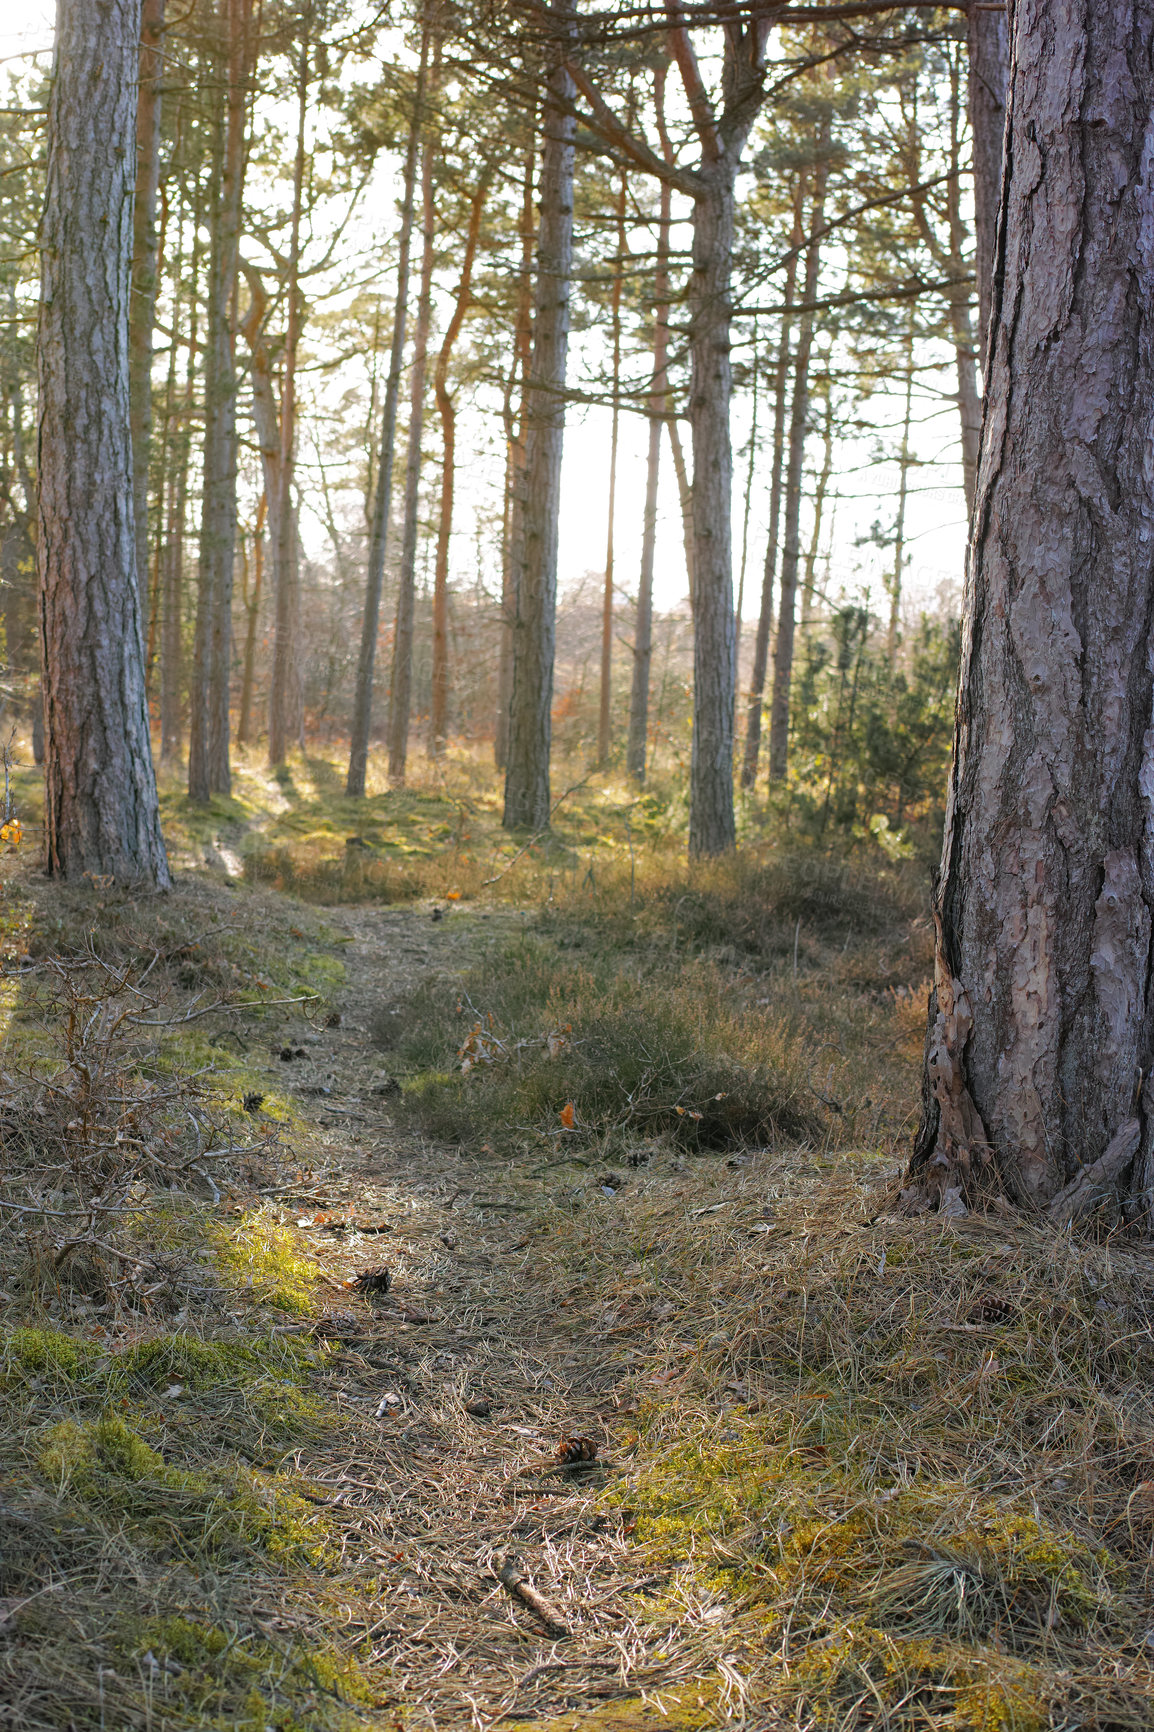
(572, 1450)
(252, 1103)
(370, 1281)
(480, 1409)
(992, 1308)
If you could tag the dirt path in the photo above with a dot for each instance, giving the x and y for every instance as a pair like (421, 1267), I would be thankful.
(438, 1497)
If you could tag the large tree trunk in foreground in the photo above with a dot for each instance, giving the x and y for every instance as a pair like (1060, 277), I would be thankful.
(100, 805)
(208, 764)
(527, 775)
(379, 526)
(144, 267)
(1042, 1022)
(989, 69)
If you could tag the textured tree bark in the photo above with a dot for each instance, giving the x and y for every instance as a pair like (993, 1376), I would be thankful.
(251, 598)
(636, 750)
(605, 691)
(284, 710)
(401, 682)
(527, 774)
(144, 270)
(1041, 1027)
(711, 821)
(685, 499)
(439, 718)
(100, 806)
(172, 576)
(515, 463)
(208, 762)
(379, 525)
(791, 540)
(752, 749)
(989, 45)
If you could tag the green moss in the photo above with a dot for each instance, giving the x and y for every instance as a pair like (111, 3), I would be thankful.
(265, 1259)
(243, 1681)
(47, 1353)
(107, 1465)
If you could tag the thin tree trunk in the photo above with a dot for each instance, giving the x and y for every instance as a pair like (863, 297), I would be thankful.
(284, 709)
(515, 464)
(439, 707)
(711, 821)
(904, 462)
(172, 640)
(989, 72)
(961, 322)
(685, 499)
(251, 597)
(144, 274)
(637, 749)
(747, 503)
(791, 540)
(605, 690)
(527, 776)
(1039, 1047)
(777, 473)
(401, 684)
(379, 527)
(101, 814)
(208, 765)
(819, 497)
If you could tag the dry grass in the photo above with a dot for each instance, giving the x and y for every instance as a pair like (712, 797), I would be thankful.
(855, 1471)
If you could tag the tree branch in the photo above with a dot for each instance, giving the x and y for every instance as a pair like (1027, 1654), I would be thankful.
(606, 124)
(700, 106)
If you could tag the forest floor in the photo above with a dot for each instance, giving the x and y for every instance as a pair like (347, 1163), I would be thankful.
(627, 1141)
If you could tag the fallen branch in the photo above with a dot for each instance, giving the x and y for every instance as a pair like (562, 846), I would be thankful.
(537, 834)
(515, 1583)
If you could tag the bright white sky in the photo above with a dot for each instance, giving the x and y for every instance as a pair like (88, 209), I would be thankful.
(936, 527)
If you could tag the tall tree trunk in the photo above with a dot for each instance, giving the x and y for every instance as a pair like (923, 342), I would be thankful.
(905, 461)
(515, 463)
(172, 609)
(961, 320)
(685, 499)
(401, 684)
(251, 598)
(636, 750)
(1041, 1034)
(208, 765)
(989, 71)
(527, 775)
(791, 540)
(144, 273)
(711, 821)
(605, 691)
(439, 718)
(752, 749)
(379, 526)
(100, 807)
(284, 717)
(821, 489)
